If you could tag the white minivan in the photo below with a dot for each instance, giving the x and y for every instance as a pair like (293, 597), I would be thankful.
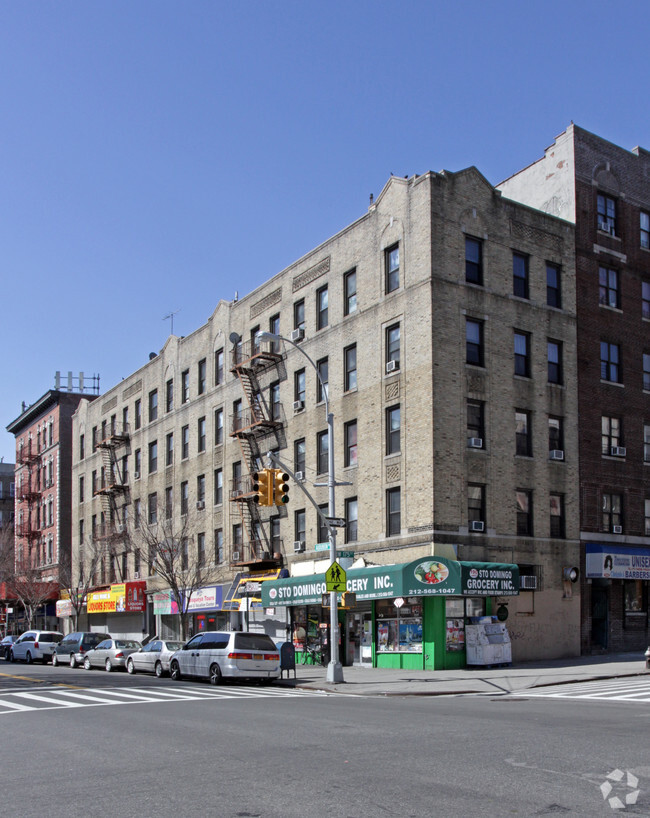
(35, 646)
(217, 655)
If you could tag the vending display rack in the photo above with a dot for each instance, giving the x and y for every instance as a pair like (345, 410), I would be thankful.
(487, 643)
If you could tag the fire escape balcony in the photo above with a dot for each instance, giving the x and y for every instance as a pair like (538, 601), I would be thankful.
(30, 493)
(249, 423)
(242, 489)
(28, 530)
(109, 531)
(116, 436)
(254, 355)
(111, 489)
(27, 455)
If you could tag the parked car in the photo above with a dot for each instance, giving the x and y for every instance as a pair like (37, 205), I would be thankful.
(110, 654)
(153, 658)
(215, 656)
(34, 646)
(5, 646)
(72, 649)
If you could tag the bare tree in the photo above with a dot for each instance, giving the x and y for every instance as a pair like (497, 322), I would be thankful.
(7, 554)
(31, 590)
(174, 552)
(76, 576)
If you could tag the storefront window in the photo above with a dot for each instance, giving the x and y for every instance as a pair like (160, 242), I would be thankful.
(475, 606)
(455, 623)
(635, 599)
(399, 625)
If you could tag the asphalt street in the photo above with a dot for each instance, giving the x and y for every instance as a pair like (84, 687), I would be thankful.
(250, 752)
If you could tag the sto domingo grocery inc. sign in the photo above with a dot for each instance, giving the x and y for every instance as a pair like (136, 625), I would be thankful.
(433, 576)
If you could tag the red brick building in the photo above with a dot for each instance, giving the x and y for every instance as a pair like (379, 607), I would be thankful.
(605, 191)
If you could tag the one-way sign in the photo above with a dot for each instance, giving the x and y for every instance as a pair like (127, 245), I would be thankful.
(336, 522)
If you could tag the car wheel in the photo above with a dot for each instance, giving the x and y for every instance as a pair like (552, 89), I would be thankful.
(130, 667)
(159, 669)
(55, 661)
(12, 658)
(108, 665)
(73, 660)
(28, 658)
(175, 671)
(215, 674)
(87, 665)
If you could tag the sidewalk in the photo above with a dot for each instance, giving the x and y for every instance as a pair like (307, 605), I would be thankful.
(363, 681)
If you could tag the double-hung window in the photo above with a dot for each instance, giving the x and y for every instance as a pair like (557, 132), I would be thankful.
(644, 230)
(350, 292)
(611, 434)
(553, 285)
(554, 361)
(608, 294)
(350, 431)
(474, 342)
(609, 362)
(520, 275)
(391, 263)
(524, 500)
(350, 365)
(523, 433)
(473, 260)
(393, 430)
(606, 214)
(522, 354)
(612, 505)
(322, 309)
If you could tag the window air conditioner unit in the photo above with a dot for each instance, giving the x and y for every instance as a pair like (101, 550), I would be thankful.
(475, 442)
(299, 476)
(297, 335)
(235, 556)
(528, 583)
(604, 226)
(136, 475)
(556, 454)
(391, 366)
(298, 405)
(136, 575)
(617, 529)
(298, 547)
(200, 505)
(618, 451)
(476, 525)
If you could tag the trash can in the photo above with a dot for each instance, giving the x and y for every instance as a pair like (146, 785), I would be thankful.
(287, 659)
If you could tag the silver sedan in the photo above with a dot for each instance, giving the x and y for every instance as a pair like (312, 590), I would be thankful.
(153, 658)
(111, 654)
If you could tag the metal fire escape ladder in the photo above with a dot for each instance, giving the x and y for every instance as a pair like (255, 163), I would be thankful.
(114, 485)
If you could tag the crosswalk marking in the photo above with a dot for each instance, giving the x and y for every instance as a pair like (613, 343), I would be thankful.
(623, 690)
(20, 701)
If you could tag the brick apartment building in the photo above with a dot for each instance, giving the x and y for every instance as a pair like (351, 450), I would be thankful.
(443, 322)
(7, 495)
(604, 190)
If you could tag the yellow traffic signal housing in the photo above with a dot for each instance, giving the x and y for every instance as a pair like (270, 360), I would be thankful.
(348, 599)
(263, 487)
(280, 487)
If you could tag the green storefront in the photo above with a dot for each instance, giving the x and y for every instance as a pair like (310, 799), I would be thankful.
(411, 615)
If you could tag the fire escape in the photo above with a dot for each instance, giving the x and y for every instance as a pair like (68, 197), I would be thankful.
(252, 426)
(113, 486)
(29, 491)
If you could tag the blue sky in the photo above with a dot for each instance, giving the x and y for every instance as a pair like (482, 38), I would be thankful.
(159, 156)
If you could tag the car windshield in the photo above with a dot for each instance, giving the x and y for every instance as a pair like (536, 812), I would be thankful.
(254, 641)
(174, 645)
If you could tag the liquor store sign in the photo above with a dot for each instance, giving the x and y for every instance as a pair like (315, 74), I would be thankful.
(127, 597)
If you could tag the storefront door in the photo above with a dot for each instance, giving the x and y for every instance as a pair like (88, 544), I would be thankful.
(359, 638)
(599, 618)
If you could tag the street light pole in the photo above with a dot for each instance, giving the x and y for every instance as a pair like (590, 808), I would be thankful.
(334, 667)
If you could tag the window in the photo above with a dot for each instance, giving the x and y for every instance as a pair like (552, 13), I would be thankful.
(475, 503)
(152, 509)
(609, 362)
(322, 382)
(351, 519)
(635, 596)
(137, 513)
(645, 299)
(646, 442)
(200, 549)
(153, 405)
(299, 455)
(236, 477)
(300, 526)
(185, 497)
(606, 214)
(185, 554)
(137, 463)
(524, 513)
(299, 386)
(185, 386)
(138, 413)
(202, 371)
(218, 487)
(556, 508)
(274, 399)
(153, 457)
(520, 275)
(612, 512)
(473, 260)
(522, 354)
(200, 488)
(169, 502)
(218, 367)
(274, 535)
(323, 532)
(299, 314)
(321, 308)
(553, 285)
(169, 449)
(608, 287)
(350, 292)
(237, 415)
(611, 433)
(274, 329)
(218, 545)
(644, 229)
(391, 264)
(523, 433)
(393, 512)
(169, 395)
(218, 426)
(476, 422)
(201, 426)
(82, 447)
(554, 360)
(350, 434)
(474, 342)
(350, 364)
(555, 434)
(393, 343)
(393, 430)
(185, 442)
(81, 489)
(646, 371)
(322, 449)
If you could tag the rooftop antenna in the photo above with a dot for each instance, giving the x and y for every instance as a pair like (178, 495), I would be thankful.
(171, 316)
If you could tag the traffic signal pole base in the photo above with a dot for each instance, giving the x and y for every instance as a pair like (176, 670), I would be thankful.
(335, 672)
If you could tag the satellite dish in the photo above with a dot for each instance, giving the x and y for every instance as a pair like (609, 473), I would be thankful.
(235, 338)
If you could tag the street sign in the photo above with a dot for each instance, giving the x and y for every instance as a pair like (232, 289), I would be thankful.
(336, 522)
(335, 578)
(346, 555)
(322, 546)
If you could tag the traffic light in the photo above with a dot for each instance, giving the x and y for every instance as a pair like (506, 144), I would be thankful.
(263, 487)
(280, 487)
